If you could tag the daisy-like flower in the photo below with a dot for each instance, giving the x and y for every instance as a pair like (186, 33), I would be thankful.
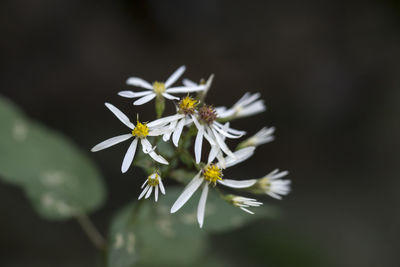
(208, 127)
(153, 181)
(212, 175)
(139, 133)
(249, 104)
(263, 136)
(158, 88)
(272, 185)
(243, 202)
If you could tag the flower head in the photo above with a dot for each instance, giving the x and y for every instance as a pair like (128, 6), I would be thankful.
(246, 106)
(153, 181)
(263, 136)
(243, 202)
(188, 105)
(139, 133)
(272, 185)
(159, 89)
(212, 174)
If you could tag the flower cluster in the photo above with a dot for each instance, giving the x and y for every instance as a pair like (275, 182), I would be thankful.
(202, 121)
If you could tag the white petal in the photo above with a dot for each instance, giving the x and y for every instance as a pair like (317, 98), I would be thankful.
(158, 158)
(185, 89)
(189, 83)
(225, 133)
(159, 131)
(145, 182)
(130, 154)
(144, 191)
(187, 193)
(130, 94)
(240, 156)
(178, 132)
(201, 208)
(121, 116)
(156, 194)
(162, 189)
(222, 144)
(209, 136)
(170, 97)
(145, 99)
(246, 210)
(198, 145)
(175, 76)
(146, 146)
(139, 82)
(110, 142)
(165, 120)
(149, 192)
(237, 184)
(213, 153)
(172, 127)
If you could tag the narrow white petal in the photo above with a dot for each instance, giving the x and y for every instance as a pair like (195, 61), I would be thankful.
(246, 210)
(222, 144)
(198, 145)
(175, 76)
(145, 182)
(144, 192)
(213, 153)
(170, 97)
(240, 156)
(149, 192)
(130, 154)
(209, 136)
(145, 99)
(178, 132)
(110, 142)
(187, 193)
(139, 82)
(162, 189)
(164, 121)
(146, 146)
(158, 158)
(156, 193)
(225, 133)
(185, 89)
(201, 208)
(121, 116)
(226, 128)
(237, 184)
(159, 131)
(189, 83)
(130, 94)
(172, 127)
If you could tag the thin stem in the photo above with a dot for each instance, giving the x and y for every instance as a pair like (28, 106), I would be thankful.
(91, 231)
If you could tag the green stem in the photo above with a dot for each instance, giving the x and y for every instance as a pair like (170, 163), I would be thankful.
(91, 231)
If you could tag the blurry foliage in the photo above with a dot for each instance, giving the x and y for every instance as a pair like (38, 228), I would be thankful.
(59, 179)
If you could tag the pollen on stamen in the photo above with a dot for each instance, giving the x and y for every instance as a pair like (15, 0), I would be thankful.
(188, 105)
(153, 179)
(212, 173)
(158, 87)
(141, 130)
(207, 114)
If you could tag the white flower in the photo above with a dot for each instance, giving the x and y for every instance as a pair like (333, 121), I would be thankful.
(263, 136)
(158, 88)
(153, 181)
(213, 131)
(246, 106)
(212, 174)
(139, 133)
(243, 202)
(272, 185)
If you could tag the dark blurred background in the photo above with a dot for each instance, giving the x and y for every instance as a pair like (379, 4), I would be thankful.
(328, 70)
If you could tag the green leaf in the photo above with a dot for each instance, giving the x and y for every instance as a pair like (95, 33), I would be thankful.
(146, 234)
(151, 236)
(57, 177)
(182, 176)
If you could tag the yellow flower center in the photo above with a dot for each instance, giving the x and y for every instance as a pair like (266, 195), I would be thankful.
(152, 180)
(187, 105)
(158, 87)
(212, 173)
(141, 130)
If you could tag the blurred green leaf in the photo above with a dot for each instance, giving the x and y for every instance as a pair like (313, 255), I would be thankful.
(147, 234)
(59, 179)
(182, 175)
